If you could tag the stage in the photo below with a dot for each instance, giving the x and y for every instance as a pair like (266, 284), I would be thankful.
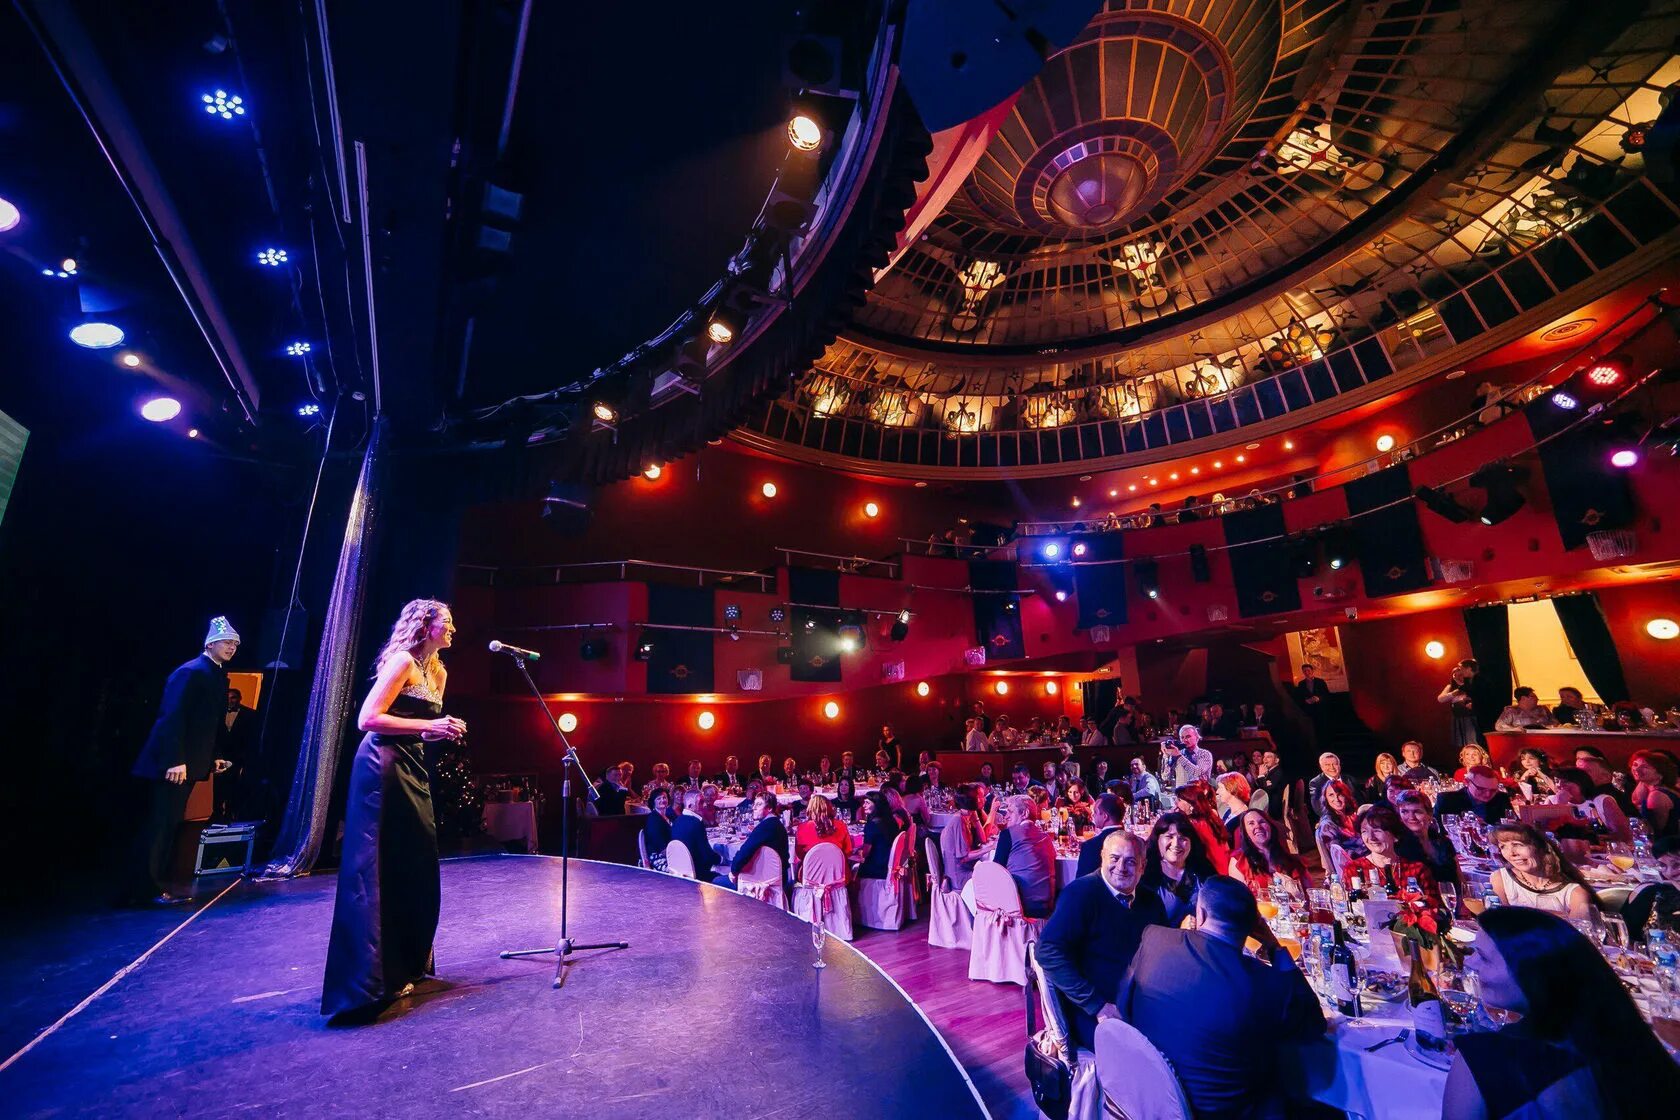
(714, 1010)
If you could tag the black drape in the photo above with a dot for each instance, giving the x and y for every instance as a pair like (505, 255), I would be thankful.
(682, 659)
(813, 587)
(1490, 645)
(1589, 636)
(1099, 697)
(1100, 589)
(1387, 538)
(1263, 573)
(1587, 493)
(997, 618)
(816, 645)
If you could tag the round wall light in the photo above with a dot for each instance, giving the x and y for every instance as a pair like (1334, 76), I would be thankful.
(1434, 650)
(870, 509)
(1385, 443)
(706, 721)
(1663, 629)
(568, 722)
(1051, 688)
(922, 688)
(831, 710)
(768, 489)
(1002, 688)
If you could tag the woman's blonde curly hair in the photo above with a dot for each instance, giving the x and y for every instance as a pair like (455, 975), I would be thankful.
(416, 618)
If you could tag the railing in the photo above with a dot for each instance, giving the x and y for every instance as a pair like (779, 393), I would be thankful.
(590, 570)
(847, 563)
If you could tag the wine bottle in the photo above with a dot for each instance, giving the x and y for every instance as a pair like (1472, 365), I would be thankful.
(1356, 898)
(1344, 975)
(1429, 1014)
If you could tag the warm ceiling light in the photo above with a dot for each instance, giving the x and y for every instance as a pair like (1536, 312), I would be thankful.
(160, 409)
(1076, 503)
(97, 336)
(805, 133)
(831, 710)
(1623, 458)
(1132, 489)
(605, 412)
(1195, 470)
(653, 472)
(1289, 445)
(870, 509)
(922, 688)
(192, 433)
(568, 722)
(706, 721)
(10, 216)
(1385, 442)
(1173, 476)
(1115, 493)
(1219, 464)
(132, 361)
(1242, 458)
(768, 489)
(1663, 629)
(1050, 688)
(1002, 688)
(725, 324)
(1154, 482)
(1254, 447)
(1434, 650)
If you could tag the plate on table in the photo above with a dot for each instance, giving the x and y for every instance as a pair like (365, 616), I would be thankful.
(1385, 986)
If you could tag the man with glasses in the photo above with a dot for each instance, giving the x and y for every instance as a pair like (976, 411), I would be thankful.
(1483, 794)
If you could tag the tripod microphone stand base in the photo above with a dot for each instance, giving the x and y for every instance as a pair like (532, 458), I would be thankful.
(566, 948)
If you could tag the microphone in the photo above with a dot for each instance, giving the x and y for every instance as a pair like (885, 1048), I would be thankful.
(522, 654)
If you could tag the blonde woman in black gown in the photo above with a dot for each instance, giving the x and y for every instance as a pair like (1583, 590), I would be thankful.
(386, 913)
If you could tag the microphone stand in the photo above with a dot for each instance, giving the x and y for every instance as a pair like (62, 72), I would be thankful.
(566, 946)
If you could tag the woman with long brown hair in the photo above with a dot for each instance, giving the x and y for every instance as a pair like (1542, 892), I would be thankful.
(386, 912)
(1533, 872)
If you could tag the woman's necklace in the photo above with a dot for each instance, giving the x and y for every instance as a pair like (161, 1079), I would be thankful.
(1527, 883)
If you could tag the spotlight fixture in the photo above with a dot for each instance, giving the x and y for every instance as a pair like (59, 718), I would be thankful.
(132, 361)
(271, 258)
(1564, 401)
(592, 649)
(1114, 493)
(1289, 445)
(298, 349)
(97, 335)
(810, 624)
(161, 409)
(805, 132)
(1624, 457)
(1606, 374)
(1434, 650)
(1076, 503)
(192, 433)
(604, 413)
(1052, 551)
(1080, 549)
(1442, 503)
(223, 104)
(1663, 629)
(870, 509)
(65, 270)
(732, 612)
(777, 614)
(653, 471)
(1132, 488)
(568, 722)
(1499, 481)
(1338, 549)
(848, 644)
(725, 325)
(922, 688)
(1385, 443)
(901, 626)
(1242, 458)
(310, 409)
(1148, 575)
(734, 632)
(644, 648)
(768, 489)
(10, 216)
(831, 710)
(706, 721)
(1061, 595)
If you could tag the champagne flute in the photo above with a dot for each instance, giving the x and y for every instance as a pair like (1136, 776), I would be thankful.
(819, 934)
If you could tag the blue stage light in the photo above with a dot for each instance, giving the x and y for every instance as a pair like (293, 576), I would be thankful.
(1565, 401)
(273, 258)
(310, 409)
(223, 104)
(298, 349)
(65, 270)
(97, 336)
(1052, 550)
(10, 216)
(160, 409)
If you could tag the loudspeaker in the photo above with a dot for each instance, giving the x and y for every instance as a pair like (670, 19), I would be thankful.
(593, 649)
(1199, 564)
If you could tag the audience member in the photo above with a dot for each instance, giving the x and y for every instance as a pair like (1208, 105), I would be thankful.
(1089, 941)
(880, 829)
(1313, 695)
(1329, 770)
(1483, 794)
(1217, 1015)
(1107, 813)
(769, 833)
(656, 830)
(848, 768)
(1655, 797)
(820, 827)
(1270, 779)
(689, 830)
(1187, 759)
(1090, 735)
(1457, 694)
(1569, 707)
(1598, 819)
(1381, 832)
(1533, 778)
(611, 796)
(974, 739)
(1175, 864)
(1580, 1047)
(889, 745)
(1523, 713)
(961, 842)
(1427, 843)
(1605, 778)
(1376, 786)
(1258, 853)
(1145, 787)
(765, 773)
(845, 800)
(731, 778)
(1412, 766)
(1533, 872)
(1029, 855)
(1337, 824)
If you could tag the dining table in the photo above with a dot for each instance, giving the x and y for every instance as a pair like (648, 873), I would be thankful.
(1367, 1067)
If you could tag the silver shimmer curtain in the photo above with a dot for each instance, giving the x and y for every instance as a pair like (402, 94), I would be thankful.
(333, 694)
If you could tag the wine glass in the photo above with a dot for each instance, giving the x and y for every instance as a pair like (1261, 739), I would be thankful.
(819, 934)
(1449, 896)
(1457, 992)
(1612, 936)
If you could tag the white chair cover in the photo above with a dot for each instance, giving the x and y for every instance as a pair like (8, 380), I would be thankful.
(1339, 858)
(679, 860)
(761, 878)
(641, 850)
(1136, 1079)
(1054, 1039)
(910, 876)
(882, 903)
(950, 925)
(821, 890)
(1001, 932)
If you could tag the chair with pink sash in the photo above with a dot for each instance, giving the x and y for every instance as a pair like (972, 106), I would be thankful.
(1001, 931)
(883, 903)
(820, 894)
(950, 925)
(761, 878)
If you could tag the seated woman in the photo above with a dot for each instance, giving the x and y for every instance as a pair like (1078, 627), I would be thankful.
(1655, 796)
(880, 829)
(988, 775)
(821, 827)
(1596, 818)
(1473, 755)
(1259, 853)
(895, 805)
(1196, 802)
(1581, 1047)
(656, 830)
(1040, 798)
(1078, 804)
(1375, 787)
(1533, 873)
(1175, 863)
(845, 801)
(1427, 843)
(1534, 777)
(1337, 825)
(1234, 796)
(1382, 865)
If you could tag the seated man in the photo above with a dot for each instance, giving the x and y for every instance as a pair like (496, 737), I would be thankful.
(769, 832)
(1523, 713)
(1088, 943)
(689, 830)
(1483, 794)
(613, 796)
(1412, 766)
(1029, 854)
(695, 778)
(731, 778)
(1106, 814)
(1216, 1014)
(1329, 770)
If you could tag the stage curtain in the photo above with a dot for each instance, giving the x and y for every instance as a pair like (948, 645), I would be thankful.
(1387, 538)
(333, 694)
(1099, 697)
(1490, 645)
(1587, 493)
(1100, 588)
(814, 587)
(1589, 636)
(997, 618)
(1264, 576)
(682, 659)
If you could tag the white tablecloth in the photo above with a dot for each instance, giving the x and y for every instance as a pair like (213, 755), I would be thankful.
(512, 820)
(1383, 1084)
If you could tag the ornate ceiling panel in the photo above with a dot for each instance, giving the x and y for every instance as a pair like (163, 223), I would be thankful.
(1207, 215)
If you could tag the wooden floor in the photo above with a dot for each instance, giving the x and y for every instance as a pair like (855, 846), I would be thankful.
(985, 1024)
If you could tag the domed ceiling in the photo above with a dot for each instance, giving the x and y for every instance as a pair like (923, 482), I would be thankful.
(1205, 216)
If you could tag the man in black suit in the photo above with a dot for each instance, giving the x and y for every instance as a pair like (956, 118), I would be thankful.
(767, 833)
(1089, 940)
(1106, 814)
(696, 777)
(613, 795)
(181, 750)
(690, 830)
(1483, 794)
(1217, 1015)
(848, 768)
(1329, 770)
(731, 778)
(1313, 696)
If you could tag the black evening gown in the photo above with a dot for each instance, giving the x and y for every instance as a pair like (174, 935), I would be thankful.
(386, 913)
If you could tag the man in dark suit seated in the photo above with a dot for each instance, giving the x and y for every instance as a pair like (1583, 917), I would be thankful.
(689, 830)
(1483, 794)
(767, 833)
(1106, 814)
(613, 795)
(1216, 1014)
(731, 778)
(848, 768)
(1089, 940)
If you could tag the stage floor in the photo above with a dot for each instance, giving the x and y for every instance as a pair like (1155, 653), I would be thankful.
(714, 1010)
